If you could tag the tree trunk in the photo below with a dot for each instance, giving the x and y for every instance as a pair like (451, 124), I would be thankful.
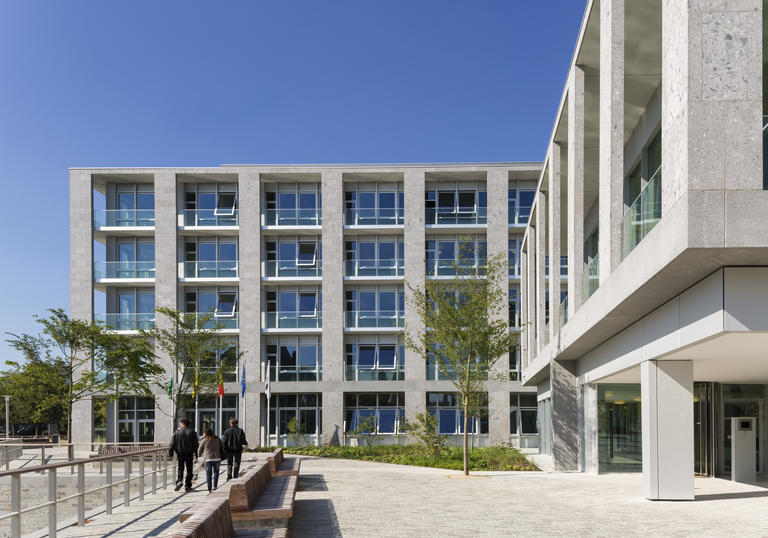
(466, 454)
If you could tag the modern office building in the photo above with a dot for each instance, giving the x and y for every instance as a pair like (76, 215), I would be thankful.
(303, 269)
(654, 189)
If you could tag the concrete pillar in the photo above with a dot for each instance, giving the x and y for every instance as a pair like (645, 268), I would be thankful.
(166, 284)
(611, 207)
(575, 188)
(565, 415)
(541, 280)
(523, 298)
(249, 271)
(333, 303)
(531, 293)
(667, 422)
(588, 447)
(553, 225)
(81, 281)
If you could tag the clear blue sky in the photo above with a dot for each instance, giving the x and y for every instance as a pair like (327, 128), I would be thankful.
(188, 83)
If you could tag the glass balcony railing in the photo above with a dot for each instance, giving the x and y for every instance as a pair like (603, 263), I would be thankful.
(642, 215)
(590, 279)
(476, 216)
(210, 217)
(127, 321)
(103, 218)
(293, 217)
(143, 269)
(291, 269)
(514, 269)
(374, 217)
(449, 268)
(380, 319)
(366, 267)
(520, 216)
(563, 313)
(293, 320)
(209, 320)
(210, 269)
(545, 335)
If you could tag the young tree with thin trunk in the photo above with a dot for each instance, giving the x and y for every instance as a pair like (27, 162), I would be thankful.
(462, 328)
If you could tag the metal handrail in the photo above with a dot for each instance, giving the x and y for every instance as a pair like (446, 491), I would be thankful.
(156, 453)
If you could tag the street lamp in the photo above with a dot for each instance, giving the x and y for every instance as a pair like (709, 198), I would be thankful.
(6, 415)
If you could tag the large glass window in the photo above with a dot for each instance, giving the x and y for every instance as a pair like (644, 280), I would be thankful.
(210, 204)
(519, 205)
(456, 203)
(513, 255)
(447, 408)
(375, 306)
(208, 411)
(132, 205)
(135, 309)
(455, 255)
(305, 408)
(293, 257)
(210, 258)
(523, 414)
(218, 305)
(386, 409)
(136, 420)
(514, 308)
(370, 204)
(293, 307)
(619, 427)
(374, 256)
(295, 358)
(293, 205)
(374, 358)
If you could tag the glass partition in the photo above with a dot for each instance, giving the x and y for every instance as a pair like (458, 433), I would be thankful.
(619, 428)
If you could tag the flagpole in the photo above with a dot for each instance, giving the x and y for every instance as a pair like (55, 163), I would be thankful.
(269, 396)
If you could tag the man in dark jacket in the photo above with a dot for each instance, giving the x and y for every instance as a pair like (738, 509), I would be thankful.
(234, 440)
(184, 444)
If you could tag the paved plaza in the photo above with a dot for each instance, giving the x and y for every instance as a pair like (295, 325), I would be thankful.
(352, 498)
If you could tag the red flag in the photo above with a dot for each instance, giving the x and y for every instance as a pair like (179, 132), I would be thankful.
(221, 386)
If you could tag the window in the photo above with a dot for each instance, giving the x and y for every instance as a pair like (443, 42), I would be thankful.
(513, 253)
(514, 308)
(210, 258)
(210, 204)
(225, 204)
(369, 204)
(135, 420)
(308, 304)
(306, 408)
(379, 306)
(208, 410)
(136, 309)
(387, 409)
(292, 358)
(374, 256)
(291, 308)
(306, 256)
(293, 204)
(293, 256)
(213, 307)
(523, 414)
(455, 255)
(226, 305)
(447, 408)
(374, 358)
(456, 203)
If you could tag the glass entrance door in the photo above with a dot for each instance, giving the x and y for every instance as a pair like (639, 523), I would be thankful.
(702, 429)
(742, 408)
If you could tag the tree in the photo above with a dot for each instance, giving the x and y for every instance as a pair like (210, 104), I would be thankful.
(190, 343)
(424, 428)
(464, 332)
(81, 354)
(37, 389)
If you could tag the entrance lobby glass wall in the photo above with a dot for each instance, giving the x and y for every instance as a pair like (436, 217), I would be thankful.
(619, 428)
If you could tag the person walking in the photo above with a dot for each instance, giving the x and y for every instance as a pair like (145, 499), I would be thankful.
(212, 449)
(234, 441)
(184, 445)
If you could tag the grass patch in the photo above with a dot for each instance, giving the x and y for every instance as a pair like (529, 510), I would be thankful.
(495, 458)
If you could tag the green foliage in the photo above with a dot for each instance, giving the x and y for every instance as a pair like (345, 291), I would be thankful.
(365, 430)
(479, 459)
(424, 428)
(465, 330)
(295, 431)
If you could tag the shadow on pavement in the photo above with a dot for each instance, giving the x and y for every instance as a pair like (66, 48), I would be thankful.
(314, 517)
(312, 482)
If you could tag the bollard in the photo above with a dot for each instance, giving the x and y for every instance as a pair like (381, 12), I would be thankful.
(127, 477)
(52, 494)
(16, 505)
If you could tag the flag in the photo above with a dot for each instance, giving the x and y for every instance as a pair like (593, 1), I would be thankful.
(242, 383)
(194, 387)
(169, 390)
(221, 385)
(266, 386)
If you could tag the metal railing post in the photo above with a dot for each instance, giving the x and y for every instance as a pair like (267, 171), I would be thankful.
(127, 477)
(109, 489)
(154, 473)
(81, 493)
(7, 461)
(42, 458)
(164, 463)
(16, 505)
(52, 494)
(71, 456)
(141, 477)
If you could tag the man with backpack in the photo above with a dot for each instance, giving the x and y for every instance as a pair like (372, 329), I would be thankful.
(184, 444)
(234, 441)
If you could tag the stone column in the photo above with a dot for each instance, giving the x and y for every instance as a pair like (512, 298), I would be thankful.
(531, 292)
(611, 187)
(166, 285)
(588, 447)
(553, 224)
(81, 281)
(333, 304)
(249, 271)
(523, 299)
(667, 426)
(565, 424)
(575, 188)
(414, 241)
(497, 184)
(541, 279)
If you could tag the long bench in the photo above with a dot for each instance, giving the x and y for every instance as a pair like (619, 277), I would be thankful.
(279, 465)
(257, 499)
(212, 519)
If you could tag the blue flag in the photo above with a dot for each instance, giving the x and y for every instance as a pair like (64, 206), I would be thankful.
(242, 383)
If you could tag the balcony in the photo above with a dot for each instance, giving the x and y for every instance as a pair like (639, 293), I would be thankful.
(563, 311)
(293, 320)
(371, 319)
(212, 321)
(290, 269)
(374, 217)
(116, 218)
(209, 218)
(374, 268)
(440, 268)
(124, 270)
(590, 279)
(642, 215)
(477, 216)
(127, 321)
(293, 217)
(211, 269)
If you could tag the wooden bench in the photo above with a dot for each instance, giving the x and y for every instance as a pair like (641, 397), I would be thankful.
(212, 519)
(279, 465)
